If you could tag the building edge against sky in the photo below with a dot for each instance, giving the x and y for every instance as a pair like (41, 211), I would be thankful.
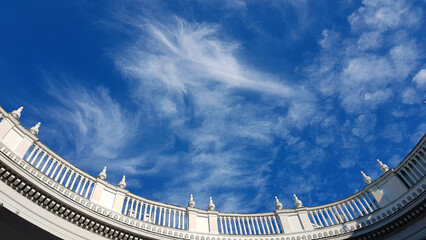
(49, 192)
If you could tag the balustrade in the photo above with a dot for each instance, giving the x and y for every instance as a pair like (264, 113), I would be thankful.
(155, 212)
(365, 202)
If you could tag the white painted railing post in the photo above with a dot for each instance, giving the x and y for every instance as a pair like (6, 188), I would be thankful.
(12, 133)
(107, 195)
(202, 221)
(387, 190)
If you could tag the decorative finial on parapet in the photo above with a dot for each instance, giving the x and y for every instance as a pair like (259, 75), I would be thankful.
(383, 167)
(34, 130)
(17, 113)
(191, 202)
(122, 183)
(102, 175)
(212, 207)
(297, 202)
(278, 205)
(367, 179)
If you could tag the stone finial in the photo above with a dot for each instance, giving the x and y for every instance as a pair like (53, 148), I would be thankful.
(122, 183)
(383, 167)
(102, 175)
(297, 202)
(212, 207)
(17, 113)
(191, 202)
(367, 179)
(278, 205)
(34, 130)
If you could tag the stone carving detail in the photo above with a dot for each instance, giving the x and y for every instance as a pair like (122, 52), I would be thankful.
(122, 183)
(102, 175)
(17, 113)
(367, 179)
(34, 130)
(278, 205)
(383, 167)
(191, 202)
(212, 207)
(297, 202)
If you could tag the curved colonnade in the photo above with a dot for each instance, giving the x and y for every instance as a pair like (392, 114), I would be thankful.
(75, 205)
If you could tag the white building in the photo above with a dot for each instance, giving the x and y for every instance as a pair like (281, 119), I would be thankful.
(58, 200)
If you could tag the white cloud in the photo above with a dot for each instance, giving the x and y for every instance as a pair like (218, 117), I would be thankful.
(91, 120)
(420, 78)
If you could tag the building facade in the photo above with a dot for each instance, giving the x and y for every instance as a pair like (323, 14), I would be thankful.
(44, 195)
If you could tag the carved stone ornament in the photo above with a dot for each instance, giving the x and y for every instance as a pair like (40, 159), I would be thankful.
(297, 202)
(367, 179)
(212, 207)
(278, 205)
(17, 113)
(34, 130)
(191, 202)
(383, 167)
(102, 175)
(122, 183)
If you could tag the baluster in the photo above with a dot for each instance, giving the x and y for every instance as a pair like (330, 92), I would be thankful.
(76, 175)
(50, 167)
(362, 206)
(349, 213)
(131, 207)
(69, 178)
(35, 157)
(343, 212)
(373, 204)
(357, 208)
(265, 221)
(329, 218)
(168, 222)
(339, 218)
(235, 225)
(240, 229)
(261, 219)
(420, 163)
(221, 225)
(88, 189)
(80, 190)
(32, 152)
(244, 225)
(419, 171)
(248, 224)
(368, 205)
(319, 218)
(336, 221)
(144, 211)
(63, 176)
(230, 225)
(140, 209)
(226, 225)
(313, 219)
(164, 216)
(159, 215)
(126, 206)
(409, 176)
(272, 226)
(41, 159)
(352, 209)
(59, 172)
(174, 218)
(54, 170)
(179, 226)
(45, 163)
(257, 224)
(276, 224)
(155, 214)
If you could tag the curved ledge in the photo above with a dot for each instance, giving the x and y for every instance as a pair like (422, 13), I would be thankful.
(32, 173)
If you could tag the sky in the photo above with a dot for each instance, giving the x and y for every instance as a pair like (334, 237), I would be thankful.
(238, 100)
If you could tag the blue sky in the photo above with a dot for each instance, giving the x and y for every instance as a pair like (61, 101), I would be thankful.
(238, 100)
